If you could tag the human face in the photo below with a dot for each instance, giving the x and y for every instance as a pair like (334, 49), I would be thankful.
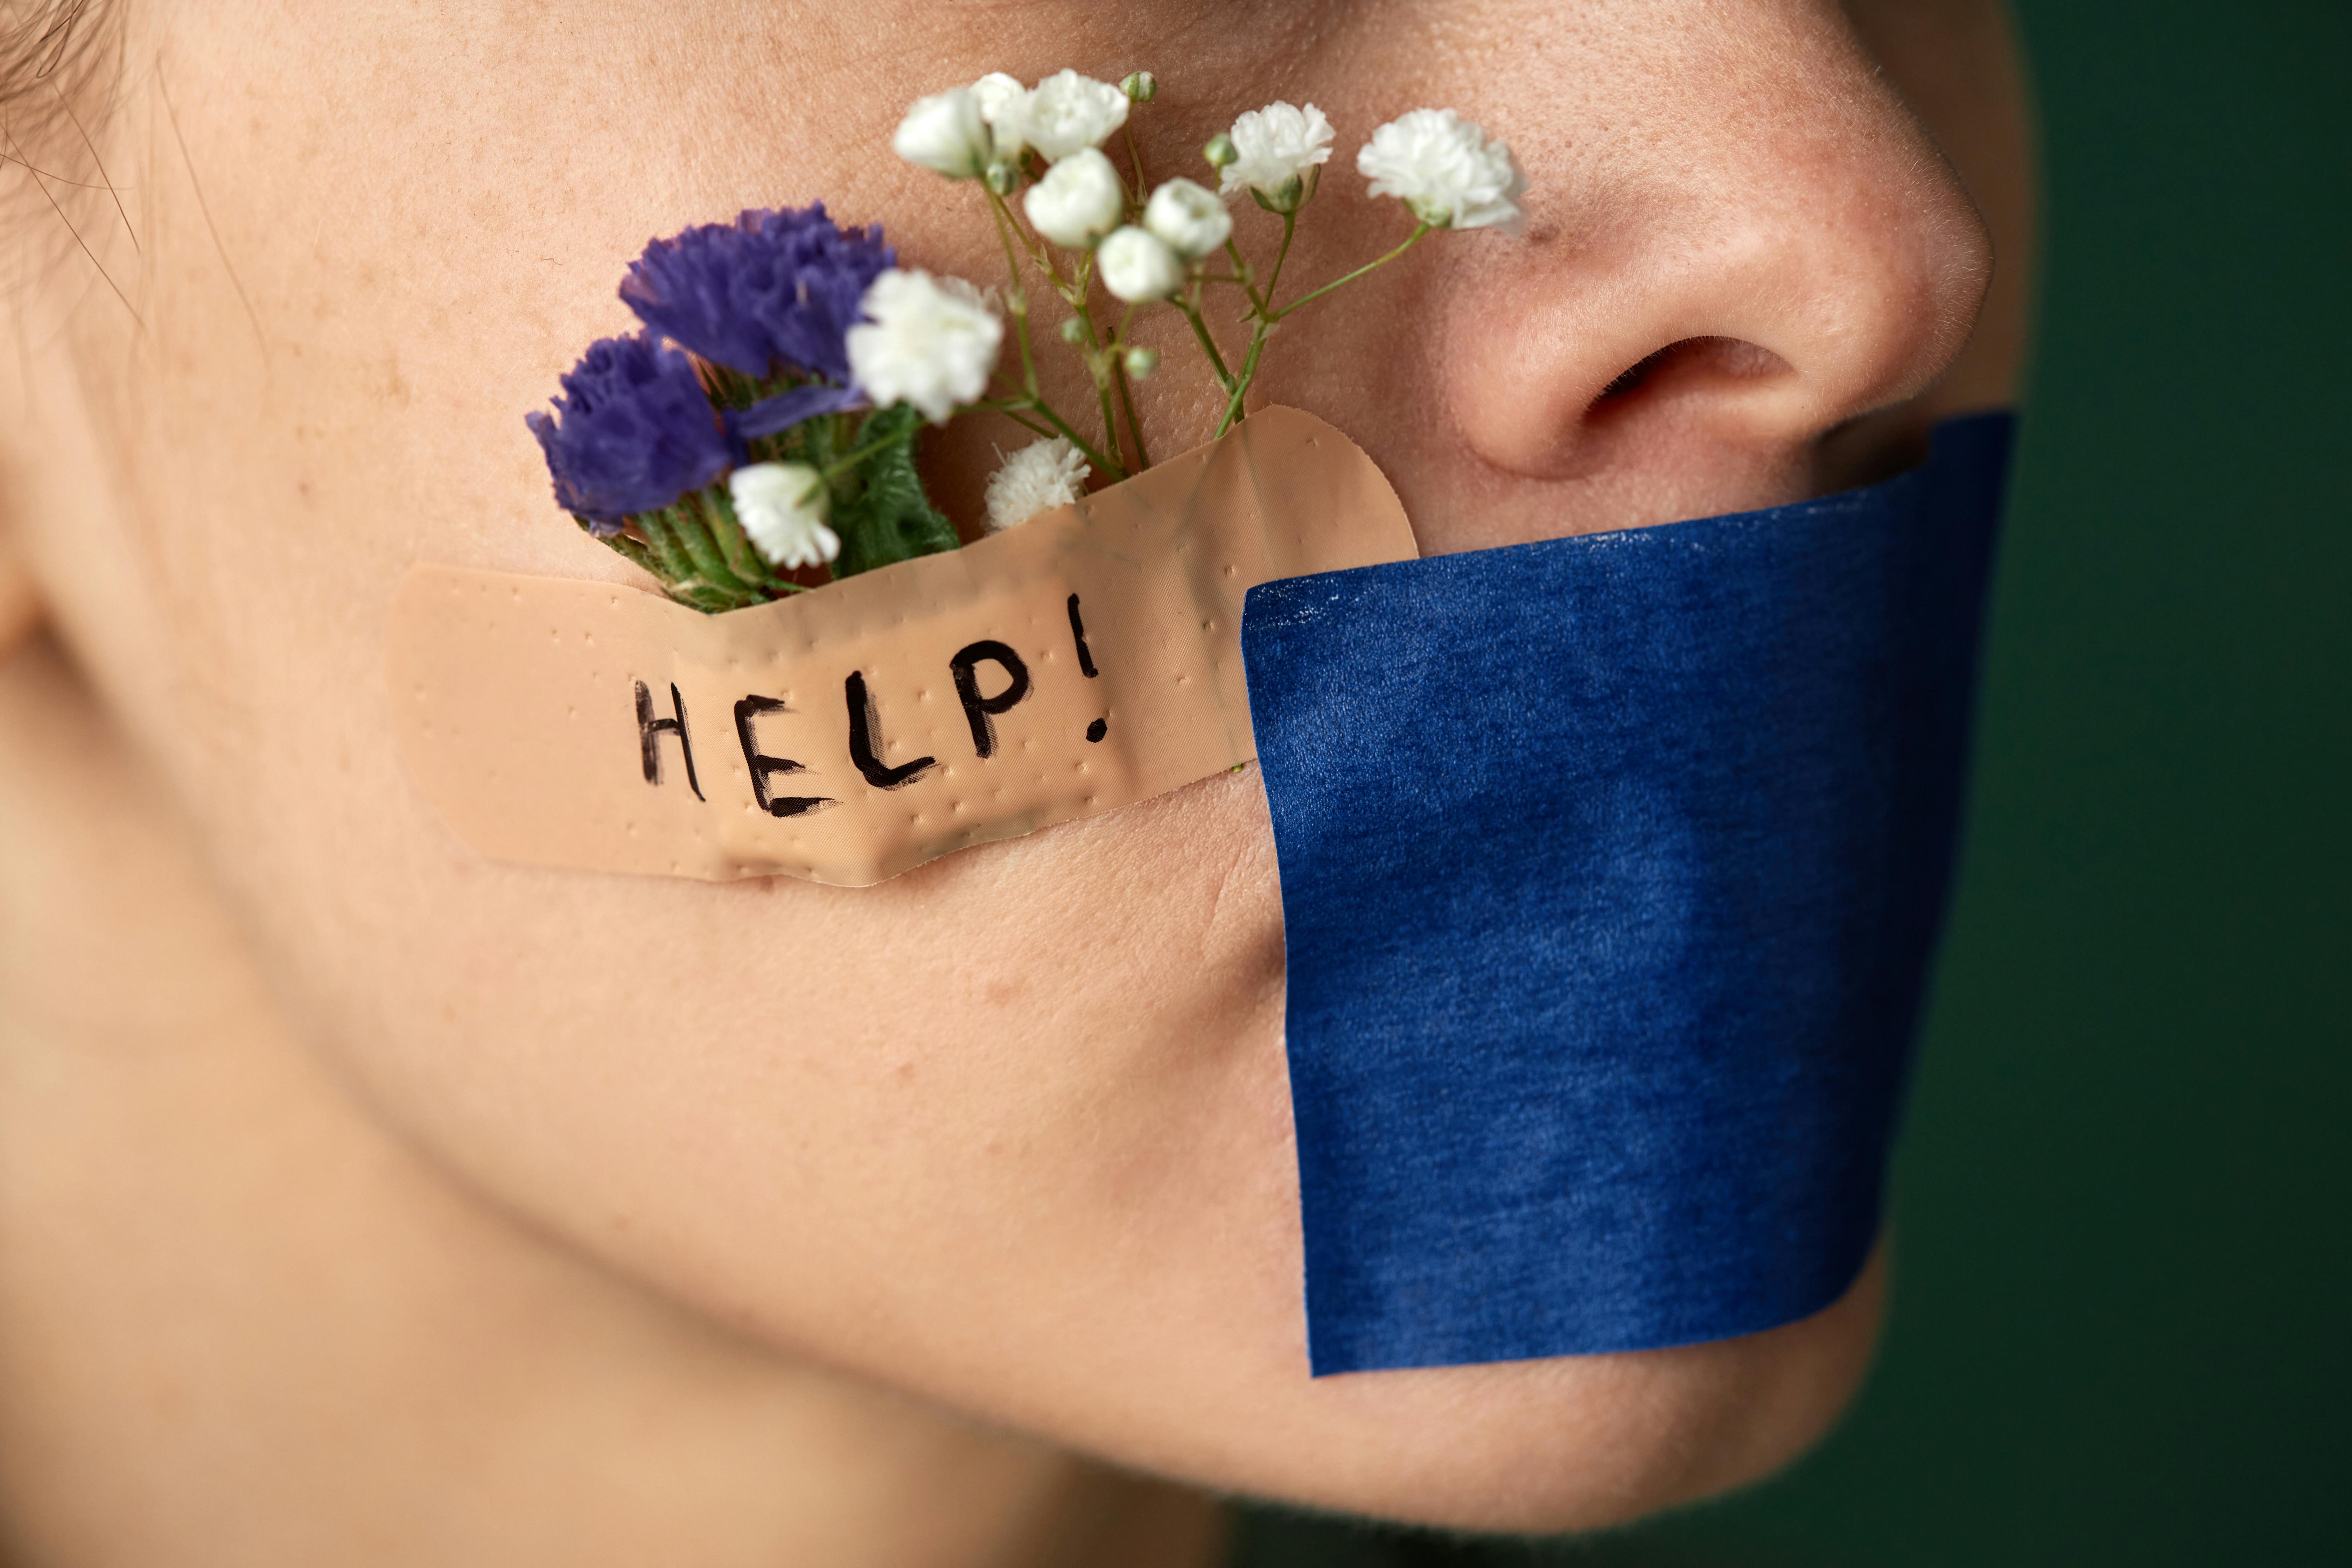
(1012, 1130)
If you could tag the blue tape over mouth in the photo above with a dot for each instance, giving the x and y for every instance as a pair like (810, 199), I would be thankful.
(1611, 868)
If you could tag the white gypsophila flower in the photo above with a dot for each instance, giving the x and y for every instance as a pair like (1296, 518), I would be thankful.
(1446, 170)
(1038, 478)
(783, 508)
(927, 341)
(1070, 112)
(1190, 219)
(945, 132)
(1079, 200)
(1004, 106)
(1138, 265)
(1273, 146)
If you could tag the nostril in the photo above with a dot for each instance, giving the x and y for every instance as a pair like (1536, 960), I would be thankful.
(1691, 365)
(1633, 375)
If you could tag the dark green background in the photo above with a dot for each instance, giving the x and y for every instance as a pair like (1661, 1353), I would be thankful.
(2122, 1329)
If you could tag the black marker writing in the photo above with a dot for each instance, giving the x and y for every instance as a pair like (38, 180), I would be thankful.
(981, 710)
(764, 767)
(864, 748)
(1079, 635)
(650, 730)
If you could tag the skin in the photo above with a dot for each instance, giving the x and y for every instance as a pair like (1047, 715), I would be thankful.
(362, 1199)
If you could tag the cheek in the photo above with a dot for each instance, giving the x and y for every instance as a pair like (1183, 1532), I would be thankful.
(802, 1103)
(788, 1100)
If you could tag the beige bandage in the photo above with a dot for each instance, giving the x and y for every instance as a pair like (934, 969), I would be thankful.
(1085, 661)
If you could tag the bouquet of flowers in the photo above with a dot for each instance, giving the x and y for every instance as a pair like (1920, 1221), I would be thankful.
(760, 427)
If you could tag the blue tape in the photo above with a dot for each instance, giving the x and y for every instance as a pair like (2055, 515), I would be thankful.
(1610, 872)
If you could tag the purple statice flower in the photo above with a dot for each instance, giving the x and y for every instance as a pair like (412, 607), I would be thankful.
(634, 431)
(770, 287)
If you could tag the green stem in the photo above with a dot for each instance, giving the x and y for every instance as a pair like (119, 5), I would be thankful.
(1191, 309)
(842, 465)
(1267, 317)
(679, 578)
(1281, 255)
(632, 550)
(1127, 397)
(1248, 375)
(1060, 427)
(1110, 468)
(1260, 329)
(709, 564)
(1135, 156)
(1110, 424)
(1014, 410)
(1411, 240)
(1016, 304)
(1097, 362)
(716, 511)
(1016, 301)
(1134, 425)
(1040, 255)
(670, 563)
(1248, 275)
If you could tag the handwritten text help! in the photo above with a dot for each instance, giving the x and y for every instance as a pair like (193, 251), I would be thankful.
(1085, 661)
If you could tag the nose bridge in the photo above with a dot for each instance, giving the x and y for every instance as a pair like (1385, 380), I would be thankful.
(1790, 254)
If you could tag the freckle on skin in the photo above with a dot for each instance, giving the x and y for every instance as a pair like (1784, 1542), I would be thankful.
(395, 385)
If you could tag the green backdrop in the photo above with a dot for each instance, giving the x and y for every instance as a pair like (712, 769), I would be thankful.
(2122, 1329)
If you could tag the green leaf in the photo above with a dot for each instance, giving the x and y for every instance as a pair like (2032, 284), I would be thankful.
(887, 518)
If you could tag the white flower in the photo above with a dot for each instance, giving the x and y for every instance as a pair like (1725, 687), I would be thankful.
(781, 507)
(1445, 170)
(929, 341)
(1070, 112)
(1079, 200)
(1038, 478)
(1273, 146)
(1004, 105)
(945, 132)
(1187, 219)
(1137, 265)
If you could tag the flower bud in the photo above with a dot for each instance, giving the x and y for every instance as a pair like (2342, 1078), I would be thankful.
(1220, 151)
(1137, 266)
(1074, 330)
(1141, 361)
(1140, 87)
(1003, 177)
(945, 132)
(1079, 200)
(1189, 219)
(1282, 199)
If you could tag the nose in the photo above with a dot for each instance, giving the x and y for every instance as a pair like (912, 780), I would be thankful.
(1780, 251)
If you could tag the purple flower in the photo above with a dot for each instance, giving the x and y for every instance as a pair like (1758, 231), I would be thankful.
(634, 432)
(770, 286)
